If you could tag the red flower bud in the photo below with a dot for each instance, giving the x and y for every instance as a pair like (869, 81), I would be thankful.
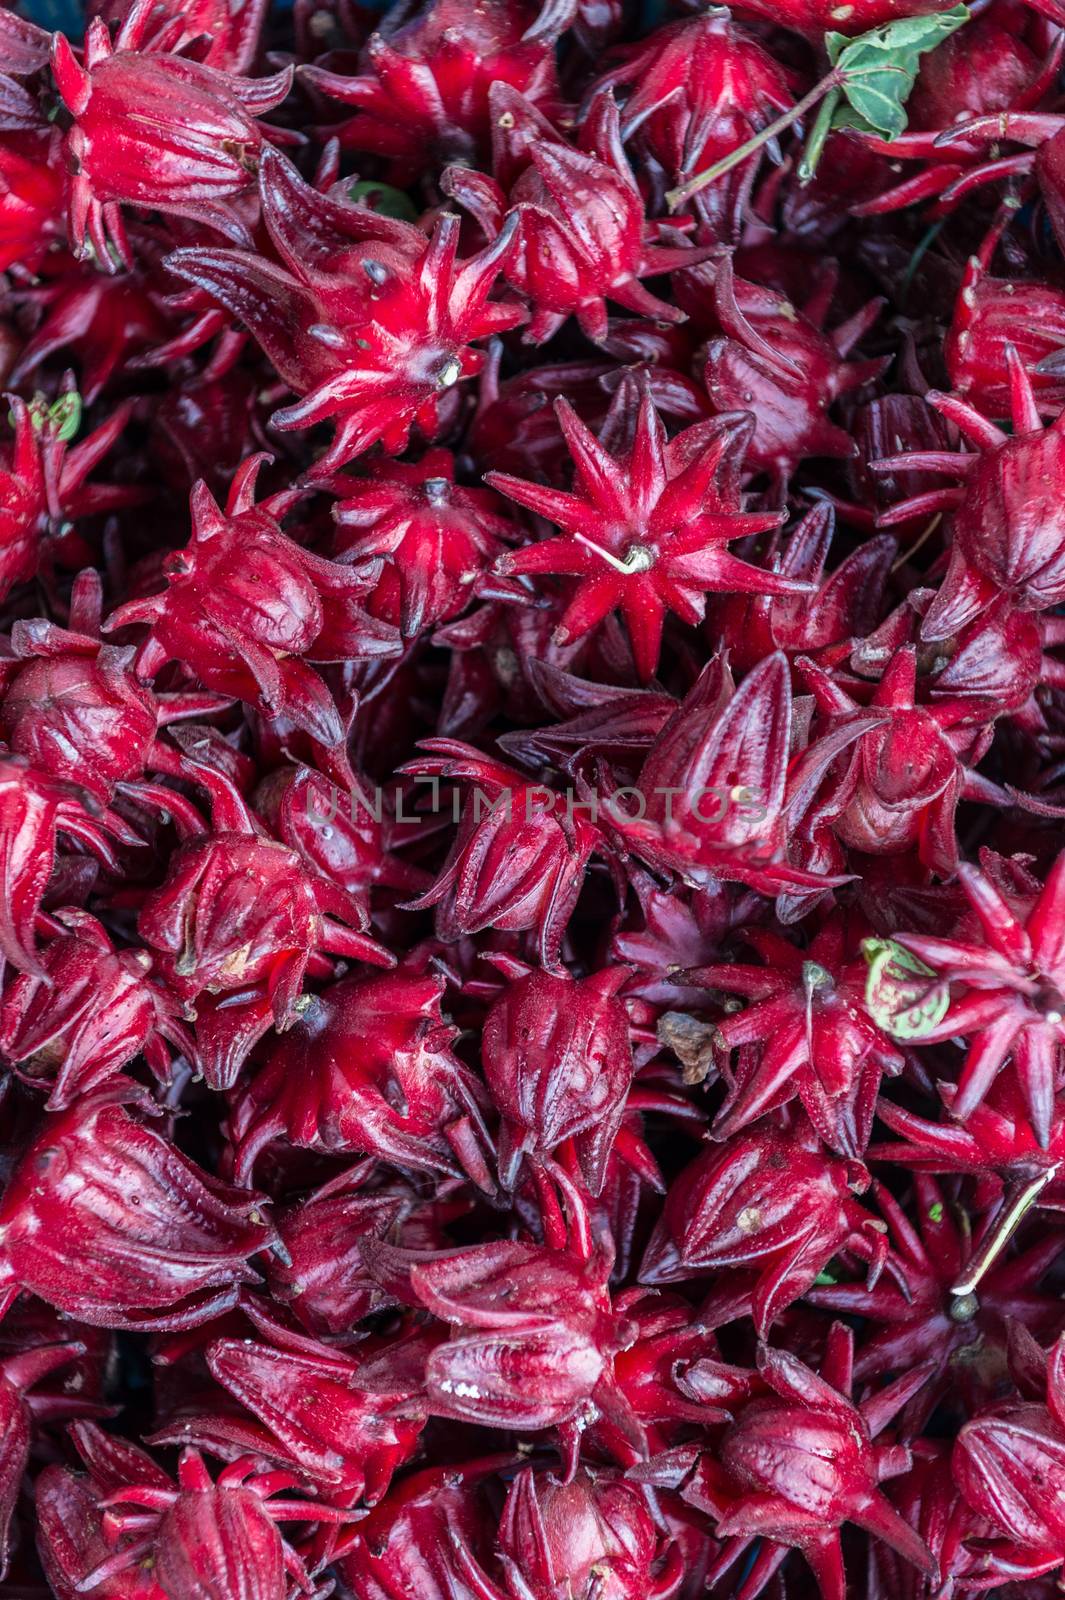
(87, 1013)
(369, 1068)
(558, 1063)
(246, 608)
(107, 1221)
(763, 1201)
(592, 1535)
(373, 327)
(342, 1424)
(197, 145)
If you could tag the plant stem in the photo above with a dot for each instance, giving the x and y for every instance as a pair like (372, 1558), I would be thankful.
(681, 195)
(1015, 1207)
(818, 134)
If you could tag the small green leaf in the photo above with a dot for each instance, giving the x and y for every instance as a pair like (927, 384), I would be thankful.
(64, 416)
(60, 420)
(898, 994)
(385, 200)
(935, 1212)
(878, 69)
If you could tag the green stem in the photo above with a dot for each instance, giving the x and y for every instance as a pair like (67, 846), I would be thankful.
(818, 134)
(684, 192)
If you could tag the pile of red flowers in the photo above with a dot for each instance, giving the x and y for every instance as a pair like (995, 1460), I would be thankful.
(532, 887)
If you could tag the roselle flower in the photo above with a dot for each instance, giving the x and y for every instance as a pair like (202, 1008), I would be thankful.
(794, 1468)
(698, 89)
(996, 662)
(422, 97)
(368, 1068)
(342, 1424)
(533, 1331)
(322, 1276)
(35, 812)
(1008, 532)
(107, 1221)
(88, 1012)
(806, 1010)
(1007, 1463)
(74, 707)
(43, 488)
(777, 363)
(1012, 1008)
(841, 604)
(212, 1539)
(438, 538)
(959, 1539)
(960, 1334)
(721, 793)
(990, 314)
(246, 608)
(771, 1201)
(345, 836)
(992, 70)
(558, 1064)
(198, 149)
(671, 1376)
(18, 1408)
(104, 321)
(373, 327)
(906, 776)
(515, 864)
(424, 1537)
(223, 33)
(646, 527)
(32, 192)
(71, 1509)
(592, 1535)
(241, 914)
(582, 235)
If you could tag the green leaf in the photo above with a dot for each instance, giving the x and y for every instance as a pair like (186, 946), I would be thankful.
(64, 416)
(878, 69)
(899, 995)
(60, 420)
(385, 200)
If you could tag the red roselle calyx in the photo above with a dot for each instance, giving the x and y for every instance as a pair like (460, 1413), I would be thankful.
(197, 1537)
(762, 1202)
(566, 269)
(199, 148)
(246, 607)
(802, 1462)
(369, 1068)
(374, 327)
(156, 1242)
(1008, 534)
(423, 97)
(532, 762)
(558, 1064)
(645, 531)
(559, 1539)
